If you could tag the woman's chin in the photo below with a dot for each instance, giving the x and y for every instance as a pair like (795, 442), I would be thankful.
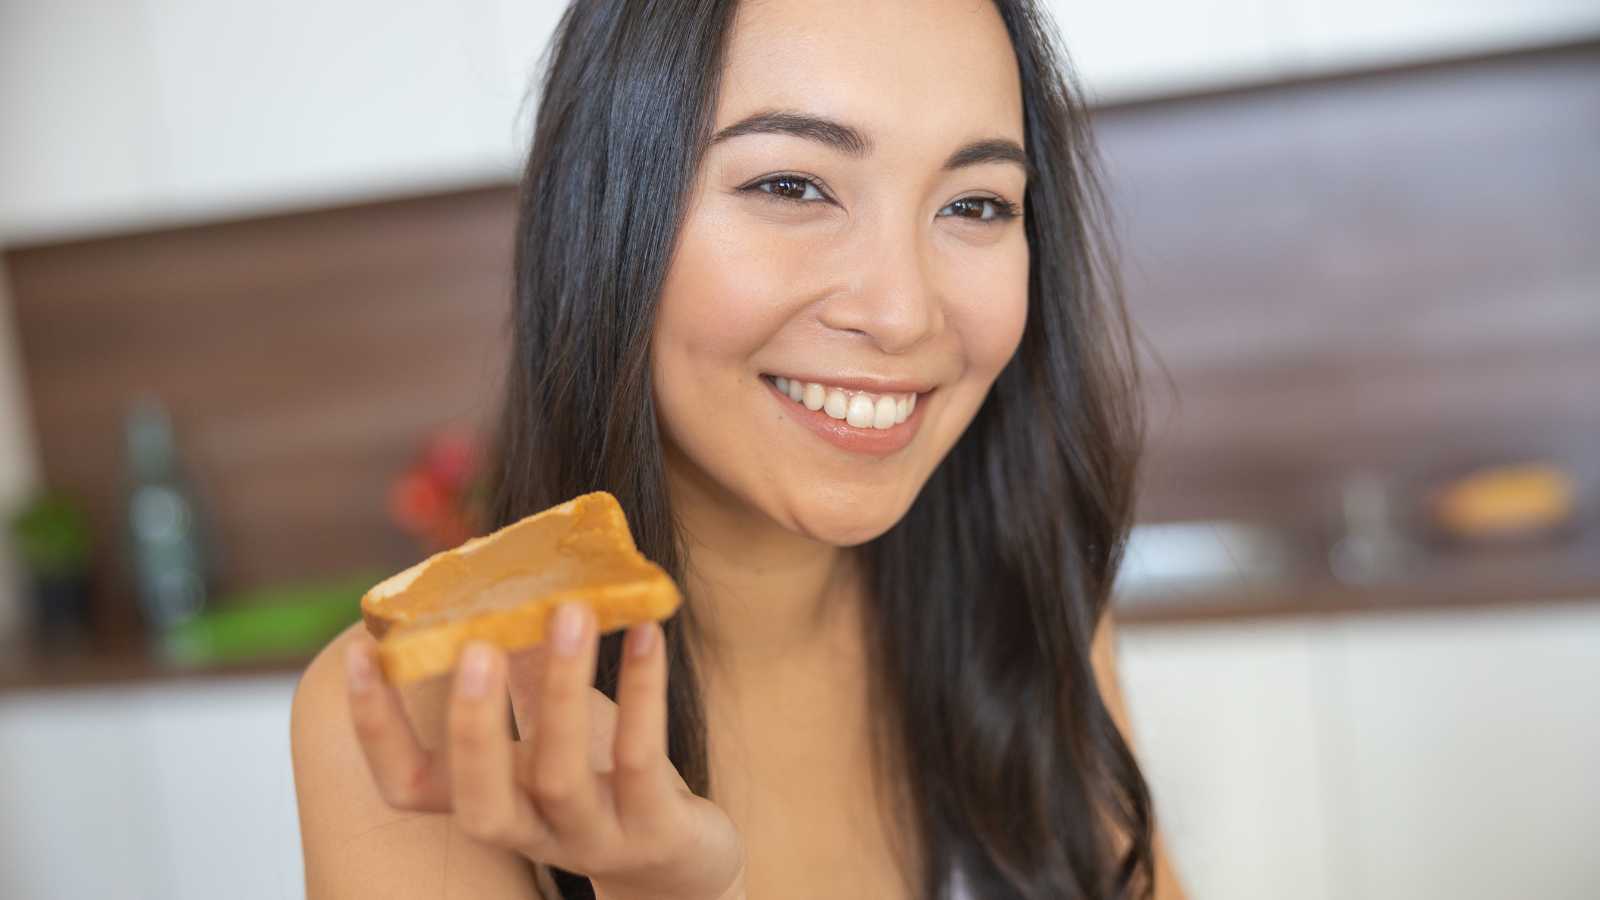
(846, 525)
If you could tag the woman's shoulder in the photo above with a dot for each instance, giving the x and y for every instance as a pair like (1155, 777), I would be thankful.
(319, 716)
(319, 704)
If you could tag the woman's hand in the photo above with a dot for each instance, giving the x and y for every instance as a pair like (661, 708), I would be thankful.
(588, 788)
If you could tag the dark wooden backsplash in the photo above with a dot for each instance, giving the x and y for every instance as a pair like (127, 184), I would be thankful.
(1398, 272)
(302, 357)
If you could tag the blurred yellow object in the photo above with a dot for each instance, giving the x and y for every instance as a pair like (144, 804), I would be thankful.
(1502, 501)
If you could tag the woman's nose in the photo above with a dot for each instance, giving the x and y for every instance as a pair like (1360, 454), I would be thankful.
(893, 296)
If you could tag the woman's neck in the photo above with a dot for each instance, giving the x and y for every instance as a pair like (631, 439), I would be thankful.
(762, 595)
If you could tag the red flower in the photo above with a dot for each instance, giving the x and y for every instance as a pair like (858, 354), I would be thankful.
(451, 457)
(430, 500)
(416, 501)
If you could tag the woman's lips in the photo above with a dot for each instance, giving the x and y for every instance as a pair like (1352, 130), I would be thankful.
(841, 434)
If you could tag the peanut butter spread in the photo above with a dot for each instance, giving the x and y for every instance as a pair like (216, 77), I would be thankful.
(502, 586)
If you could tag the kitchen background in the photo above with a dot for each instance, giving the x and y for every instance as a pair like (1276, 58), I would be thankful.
(254, 272)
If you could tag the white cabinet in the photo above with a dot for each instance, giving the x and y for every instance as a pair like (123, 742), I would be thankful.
(1403, 756)
(1146, 47)
(75, 821)
(1467, 750)
(1140, 47)
(1227, 725)
(1329, 34)
(263, 105)
(147, 112)
(167, 792)
(78, 142)
(157, 111)
(222, 784)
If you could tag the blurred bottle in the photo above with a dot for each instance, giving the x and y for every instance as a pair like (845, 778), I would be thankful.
(1374, 546)
(172, 574)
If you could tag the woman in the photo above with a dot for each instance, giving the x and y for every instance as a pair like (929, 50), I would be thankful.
(812, 287)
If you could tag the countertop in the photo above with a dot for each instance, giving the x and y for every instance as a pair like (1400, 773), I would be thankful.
(1515, 577)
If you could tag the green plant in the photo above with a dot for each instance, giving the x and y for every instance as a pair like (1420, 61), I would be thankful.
(51, 535)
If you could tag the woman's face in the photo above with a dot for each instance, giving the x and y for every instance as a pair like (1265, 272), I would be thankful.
(848, 231)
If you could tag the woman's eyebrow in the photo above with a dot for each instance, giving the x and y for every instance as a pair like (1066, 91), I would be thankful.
(851, 142)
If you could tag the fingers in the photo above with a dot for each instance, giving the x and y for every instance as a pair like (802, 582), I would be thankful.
(406, 775)
(642, 775)
(566, 789)
(488, 803)
(525, 672)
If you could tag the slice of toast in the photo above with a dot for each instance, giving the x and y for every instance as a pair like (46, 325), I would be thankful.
(502, 587)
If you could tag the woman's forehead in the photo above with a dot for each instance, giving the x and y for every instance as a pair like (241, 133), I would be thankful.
(940, 69)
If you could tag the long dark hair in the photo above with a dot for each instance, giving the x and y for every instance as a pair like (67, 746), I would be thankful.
(987, 594)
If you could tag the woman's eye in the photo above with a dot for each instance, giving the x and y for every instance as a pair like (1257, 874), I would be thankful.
(800, 189)
(983, 209)
(790, 187)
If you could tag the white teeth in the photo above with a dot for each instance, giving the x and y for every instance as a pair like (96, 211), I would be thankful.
(861, 410)
(883, 414)
(836, 404)
(814, 396)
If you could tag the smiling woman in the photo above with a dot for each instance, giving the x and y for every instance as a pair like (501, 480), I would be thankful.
(817, 290)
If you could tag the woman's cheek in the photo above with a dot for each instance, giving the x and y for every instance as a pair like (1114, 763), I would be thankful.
(991, 311)
(738, 274)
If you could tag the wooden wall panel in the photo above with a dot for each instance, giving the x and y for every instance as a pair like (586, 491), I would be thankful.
(1397, 272)
(302, 357)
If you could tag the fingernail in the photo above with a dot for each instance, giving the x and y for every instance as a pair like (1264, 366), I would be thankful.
(567, 629)
(358, 668)
(473, 679)
(641, 638)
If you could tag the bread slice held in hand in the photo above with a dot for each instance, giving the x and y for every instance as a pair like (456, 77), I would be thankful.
(504, 587)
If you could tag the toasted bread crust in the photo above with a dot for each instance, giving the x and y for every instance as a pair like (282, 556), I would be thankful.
(425, 615)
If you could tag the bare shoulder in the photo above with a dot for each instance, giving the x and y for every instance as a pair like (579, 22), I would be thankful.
(355, 844)
(1103, 656)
